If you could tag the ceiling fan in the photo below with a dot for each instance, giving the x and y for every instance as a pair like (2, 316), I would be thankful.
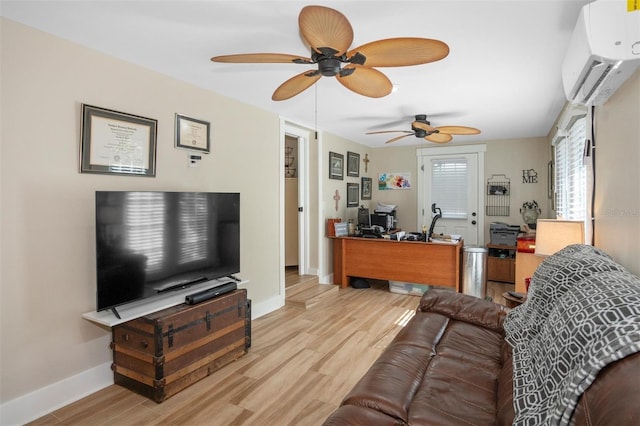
(421, 128)
(329, 35)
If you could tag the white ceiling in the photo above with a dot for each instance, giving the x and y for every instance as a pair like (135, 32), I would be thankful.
(502, 74)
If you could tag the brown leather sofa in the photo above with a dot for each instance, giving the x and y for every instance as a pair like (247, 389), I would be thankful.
(452, 365)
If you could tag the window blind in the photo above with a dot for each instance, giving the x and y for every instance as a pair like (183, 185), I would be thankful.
(571, 173)
(449, 186)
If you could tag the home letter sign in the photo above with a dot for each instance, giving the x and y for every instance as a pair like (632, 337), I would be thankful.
(529, 176)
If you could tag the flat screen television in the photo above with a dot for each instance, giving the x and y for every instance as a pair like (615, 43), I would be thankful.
(148, 243)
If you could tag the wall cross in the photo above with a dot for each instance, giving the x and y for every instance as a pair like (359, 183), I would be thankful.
(366, 160)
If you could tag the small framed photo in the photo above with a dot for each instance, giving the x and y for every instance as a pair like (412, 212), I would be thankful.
(367, 185)
(353, 190)
(336, 166)
(193, 134)
(353, 164)
(117, 143)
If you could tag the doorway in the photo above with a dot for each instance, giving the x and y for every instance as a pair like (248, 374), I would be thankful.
(291, 206)
(451, 178)
(297, 204)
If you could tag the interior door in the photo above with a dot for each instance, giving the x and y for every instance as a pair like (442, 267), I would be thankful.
(291, 222)
(451, 181)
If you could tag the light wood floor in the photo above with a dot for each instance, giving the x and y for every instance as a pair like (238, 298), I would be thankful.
(292, 278)
(301, 364)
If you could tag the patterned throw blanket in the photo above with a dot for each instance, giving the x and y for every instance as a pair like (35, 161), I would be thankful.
(582, 313)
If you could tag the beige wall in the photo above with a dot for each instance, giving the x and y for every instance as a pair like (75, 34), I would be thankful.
(511, 157)
(47, 220)
(339, 145)
(397, 160)
(617, 203)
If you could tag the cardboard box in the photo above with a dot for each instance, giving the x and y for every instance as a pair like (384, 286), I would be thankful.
(408, 288)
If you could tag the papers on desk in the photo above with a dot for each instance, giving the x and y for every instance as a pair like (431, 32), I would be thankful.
(385, 208)
(446, 239)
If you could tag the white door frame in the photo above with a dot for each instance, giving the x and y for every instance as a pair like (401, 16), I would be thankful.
(479, 150)
(301, 134)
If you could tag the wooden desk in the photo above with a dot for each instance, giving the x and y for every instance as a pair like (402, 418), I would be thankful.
(501, 268)
(408, 261)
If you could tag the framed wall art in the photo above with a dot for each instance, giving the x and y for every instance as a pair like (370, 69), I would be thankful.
(367, 186)
(192, 133)
(336, 166)
(118, 143)
(353, 164)
(353, 190)
(394, 181)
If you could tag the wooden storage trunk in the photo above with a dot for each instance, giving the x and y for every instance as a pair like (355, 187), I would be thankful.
(160, 354)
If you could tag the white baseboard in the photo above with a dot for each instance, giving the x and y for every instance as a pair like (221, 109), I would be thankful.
(56, 395)
(45, 400)
(326, 279)
(263, 308)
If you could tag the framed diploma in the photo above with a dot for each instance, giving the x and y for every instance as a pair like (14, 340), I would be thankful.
(353, 164)
(367, 186)
(113, 142)
(353, 189)
(192, 133)
(336, 166)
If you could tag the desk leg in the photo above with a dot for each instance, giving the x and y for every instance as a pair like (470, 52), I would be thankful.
(339, 274)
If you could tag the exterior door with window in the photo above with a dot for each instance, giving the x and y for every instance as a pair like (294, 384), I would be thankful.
(451, 179)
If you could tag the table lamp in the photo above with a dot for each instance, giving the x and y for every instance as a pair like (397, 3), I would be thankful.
(553, 235)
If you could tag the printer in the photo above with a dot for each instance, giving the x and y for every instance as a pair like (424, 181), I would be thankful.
(504, 234)
(384, 215)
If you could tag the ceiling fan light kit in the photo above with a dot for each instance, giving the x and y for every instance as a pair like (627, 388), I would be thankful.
(329, 34)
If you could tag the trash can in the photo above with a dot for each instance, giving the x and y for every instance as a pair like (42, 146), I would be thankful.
(474, 271)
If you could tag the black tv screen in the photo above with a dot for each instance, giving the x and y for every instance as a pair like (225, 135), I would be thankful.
(148, 243)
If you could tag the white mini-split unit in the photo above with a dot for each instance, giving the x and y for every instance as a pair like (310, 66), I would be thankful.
(603, 52)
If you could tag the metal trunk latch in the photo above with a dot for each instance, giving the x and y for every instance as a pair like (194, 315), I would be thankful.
(170, 336)
(207, 319)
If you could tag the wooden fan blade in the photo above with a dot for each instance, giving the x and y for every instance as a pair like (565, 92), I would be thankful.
(366, 81)
(389, 131)
(265, 58)
(458, 130)
(399, 52)
(397, 138)
(325, 27)
(439, 137)
(295, 85)
(423, 126)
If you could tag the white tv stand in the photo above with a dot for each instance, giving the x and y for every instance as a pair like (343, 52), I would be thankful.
(139, 308)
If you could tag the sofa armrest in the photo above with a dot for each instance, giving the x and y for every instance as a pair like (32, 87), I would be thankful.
(463, 307)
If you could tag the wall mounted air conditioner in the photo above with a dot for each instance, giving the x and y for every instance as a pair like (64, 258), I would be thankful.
(603, 52)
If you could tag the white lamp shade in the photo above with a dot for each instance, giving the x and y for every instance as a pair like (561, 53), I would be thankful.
(553, 235)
